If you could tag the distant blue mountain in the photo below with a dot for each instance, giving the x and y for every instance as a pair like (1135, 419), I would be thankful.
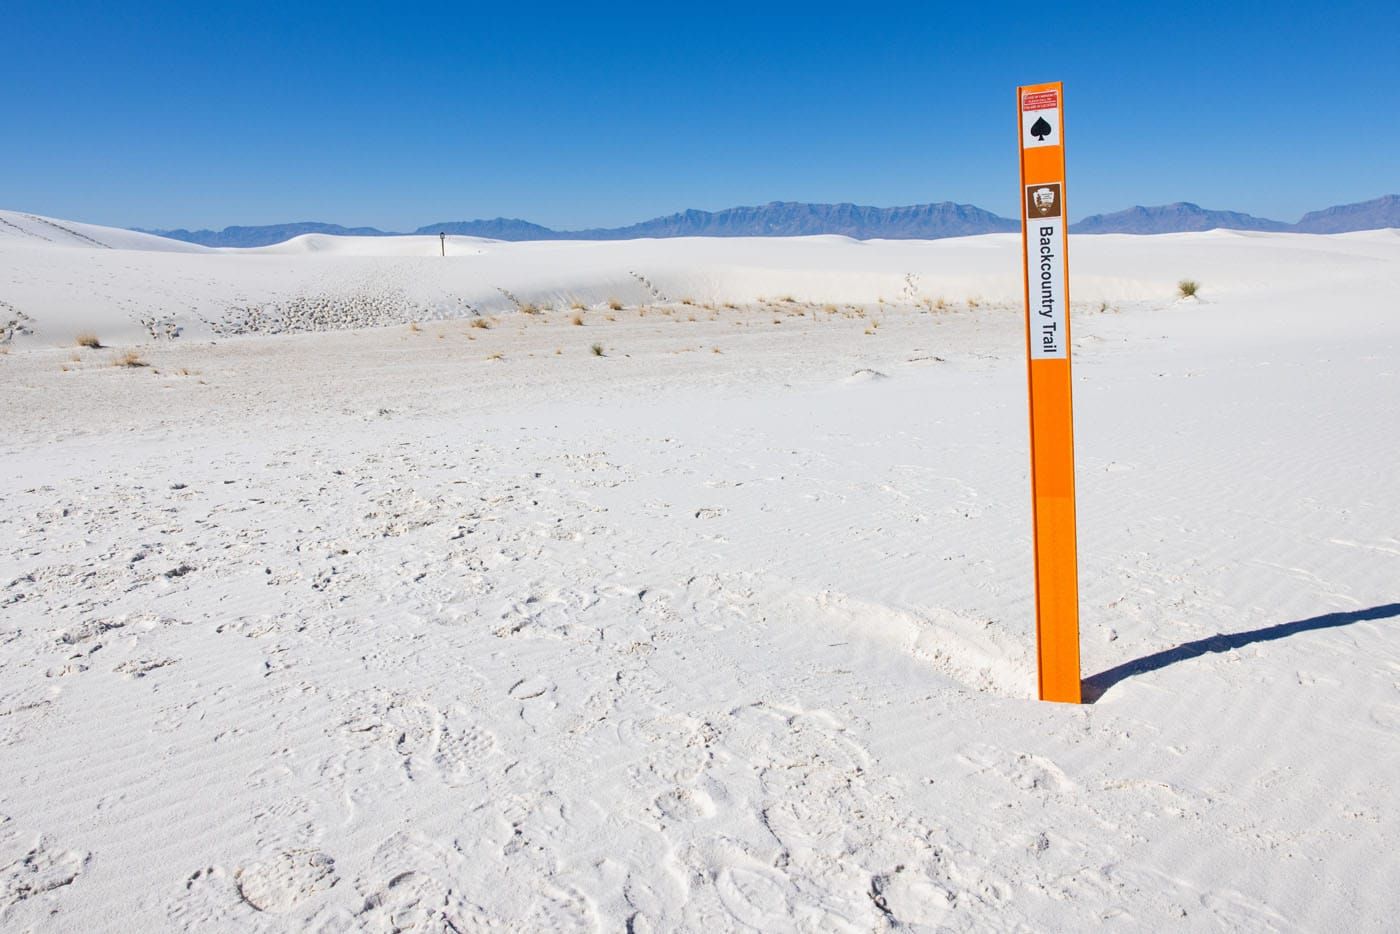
(501, 228)
(778, 219)
(263, 236)
(797, 219)
(1172, 218)
(1364, 215)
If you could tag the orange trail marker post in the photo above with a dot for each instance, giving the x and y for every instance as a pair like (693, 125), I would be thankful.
(1045, 239)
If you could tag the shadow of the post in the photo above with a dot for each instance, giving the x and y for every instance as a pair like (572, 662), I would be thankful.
(1097, 685)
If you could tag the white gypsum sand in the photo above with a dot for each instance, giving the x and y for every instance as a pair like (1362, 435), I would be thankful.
(728, 627)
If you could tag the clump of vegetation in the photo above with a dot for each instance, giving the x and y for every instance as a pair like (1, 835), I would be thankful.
(484, 323)
(687, 301)
(530, 308)
(89, 340)
(597, 350)
(614, 304)
(1187, 288)
(577, 320)
(973, 303)
(131, 359)
(577, 306)
(498, 355)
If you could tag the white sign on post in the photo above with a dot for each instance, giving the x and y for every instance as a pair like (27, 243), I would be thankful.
(1045, 271)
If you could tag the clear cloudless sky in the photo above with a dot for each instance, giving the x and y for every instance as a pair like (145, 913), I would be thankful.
(397, 115)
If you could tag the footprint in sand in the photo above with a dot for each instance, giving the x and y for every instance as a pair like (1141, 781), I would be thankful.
(461, 749)
(685, 804)
(1024, 770)
(286, 879)
(38, 870)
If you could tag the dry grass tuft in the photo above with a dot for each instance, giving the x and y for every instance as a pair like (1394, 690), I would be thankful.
(614, 304)
(89, 340)
(687, 301)
(1187, 288)
(414, 328)
(484, 323)
(530, 308)
(597, 350)
(577, 306)
(498, 355)
(577, 320)
(131, 359)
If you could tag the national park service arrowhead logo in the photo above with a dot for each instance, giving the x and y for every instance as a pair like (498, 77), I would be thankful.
(1043, 201)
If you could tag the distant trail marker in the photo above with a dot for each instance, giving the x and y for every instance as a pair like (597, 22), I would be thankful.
(1044, 241)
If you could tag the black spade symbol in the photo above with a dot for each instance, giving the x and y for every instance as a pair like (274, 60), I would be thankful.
(1040, 129)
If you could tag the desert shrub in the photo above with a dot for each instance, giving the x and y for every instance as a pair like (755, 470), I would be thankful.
(576, 320)
(130, 359)
(481, 323)
(1187, 288)
(597, 350)
(88, 339)
(614, 304)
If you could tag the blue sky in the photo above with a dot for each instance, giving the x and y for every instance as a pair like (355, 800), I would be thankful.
(398, 115)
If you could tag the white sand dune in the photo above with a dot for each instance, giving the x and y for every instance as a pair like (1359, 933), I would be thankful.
(126, 286)
(729, 628)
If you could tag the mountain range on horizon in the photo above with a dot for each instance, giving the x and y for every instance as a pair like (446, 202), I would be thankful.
(860, 222)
